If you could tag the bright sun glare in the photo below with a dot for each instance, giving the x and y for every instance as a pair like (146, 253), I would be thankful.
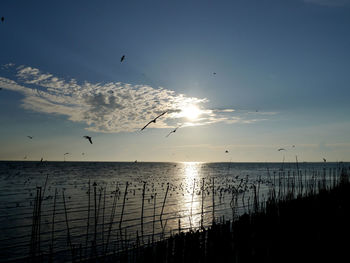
(191, 112)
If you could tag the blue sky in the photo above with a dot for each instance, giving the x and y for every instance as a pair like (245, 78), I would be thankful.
(282, 77)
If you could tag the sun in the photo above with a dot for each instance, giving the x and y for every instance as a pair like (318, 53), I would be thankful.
(191, 112)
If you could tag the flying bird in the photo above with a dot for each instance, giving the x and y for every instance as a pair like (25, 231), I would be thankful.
(65, 153)
(226, 151)
(173, 131)
(122, 58)
(2, 19)
(154, 120)
(30, 137)
(281, 149)
(324, 159)
(88, 138)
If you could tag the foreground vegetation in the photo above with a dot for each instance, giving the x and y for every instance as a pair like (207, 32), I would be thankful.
(307, 228)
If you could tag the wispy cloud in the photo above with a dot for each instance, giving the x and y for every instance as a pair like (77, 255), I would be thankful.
(109, 107)
(330, 3)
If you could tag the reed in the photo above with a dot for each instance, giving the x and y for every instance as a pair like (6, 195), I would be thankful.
(291, 184)
(35, 235)
(193, 189)
(142, 206)
(111, 218)
(213, 195)
(88, 219)
(53, 227)
(161, 213)
(154, 215)
(67, 224)
(124, 199)
(202, 206)
(103, 216)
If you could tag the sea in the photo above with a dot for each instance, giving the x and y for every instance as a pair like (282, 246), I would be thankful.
(60, 207)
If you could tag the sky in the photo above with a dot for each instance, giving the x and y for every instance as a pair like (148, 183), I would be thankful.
(244, 76)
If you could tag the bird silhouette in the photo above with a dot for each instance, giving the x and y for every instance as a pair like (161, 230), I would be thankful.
(324, 159)
(173, 131)
(226, 151)
(30, 137)
(281, 149)
(65, 153)
(154, 120)
(122, 58)
(2, 19)
(214, 73)
(88, 138)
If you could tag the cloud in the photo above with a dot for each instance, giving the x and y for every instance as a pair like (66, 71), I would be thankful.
(333, 3)
(108, 107)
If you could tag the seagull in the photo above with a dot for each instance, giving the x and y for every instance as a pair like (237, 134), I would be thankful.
(122, 58)
(154, 120)
(30, 137)
(88, 138)
(173, 131)
(324, 159)
(281, 149)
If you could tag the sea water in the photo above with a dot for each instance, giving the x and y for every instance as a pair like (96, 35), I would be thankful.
(89, 206)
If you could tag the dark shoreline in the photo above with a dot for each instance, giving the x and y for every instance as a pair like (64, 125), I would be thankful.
(311, 228)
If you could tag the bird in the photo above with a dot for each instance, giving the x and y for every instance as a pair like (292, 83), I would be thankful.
(88, 138)
(2, 19)
(173, 131)
(154, 120)
(82, 153)
(226, 151)
(324, 159)
(281, 149)
(293, 146)
(122, 58)
(65, 153)
(30, 137)
(214, 73)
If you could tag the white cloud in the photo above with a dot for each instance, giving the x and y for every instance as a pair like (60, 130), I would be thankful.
(329, 2)
(108, 107)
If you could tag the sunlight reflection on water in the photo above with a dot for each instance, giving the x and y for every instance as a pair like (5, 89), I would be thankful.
(192, 209)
